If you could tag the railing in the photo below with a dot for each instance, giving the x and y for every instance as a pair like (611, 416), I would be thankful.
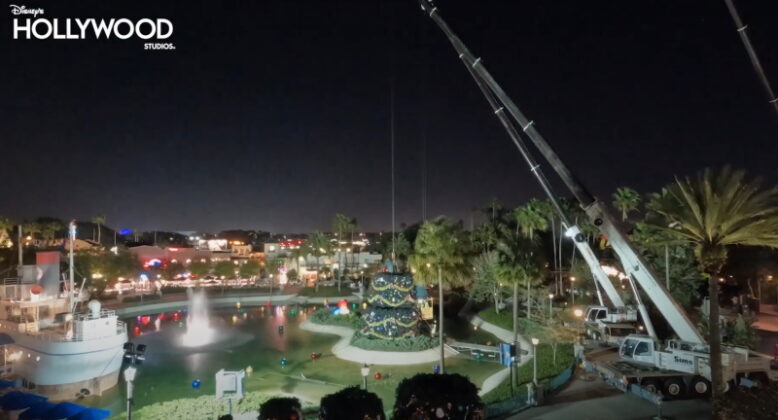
(85, 316)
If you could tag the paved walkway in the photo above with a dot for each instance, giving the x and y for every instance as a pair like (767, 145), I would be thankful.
(344, 350)
(506, 336)
(589, 398)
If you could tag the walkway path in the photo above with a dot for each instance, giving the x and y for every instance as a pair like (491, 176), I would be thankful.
(505, 336)
(344, 350)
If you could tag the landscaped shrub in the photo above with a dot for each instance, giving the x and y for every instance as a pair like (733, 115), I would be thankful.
(325, 316)
(427, 395)
(205, 406)
(351, 403)
(280, 408)
(417, 343)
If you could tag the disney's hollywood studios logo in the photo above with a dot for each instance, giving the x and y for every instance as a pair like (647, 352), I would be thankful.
(35, 27)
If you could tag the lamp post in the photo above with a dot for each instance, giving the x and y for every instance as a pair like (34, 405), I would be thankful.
(135, 355)
(365, 371)
(572, 288)
(535, 342)
(550, 305)
(578, 314)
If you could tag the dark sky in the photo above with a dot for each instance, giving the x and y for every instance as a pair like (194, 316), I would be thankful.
(275, 114)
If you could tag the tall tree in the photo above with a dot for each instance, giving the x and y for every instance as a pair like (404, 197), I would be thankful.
(49, 230)
(441, 256)
(626, 199)
(715, 211)
(99, 220)
(486, 284)
(6, 231)
(320, 246)
(343, 226)
(530, 218)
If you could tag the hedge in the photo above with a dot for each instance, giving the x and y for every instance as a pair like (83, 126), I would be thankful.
(325, 316)
(205, 406)
(417, 343)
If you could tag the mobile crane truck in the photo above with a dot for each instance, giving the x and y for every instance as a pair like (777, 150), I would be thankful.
(673, 368)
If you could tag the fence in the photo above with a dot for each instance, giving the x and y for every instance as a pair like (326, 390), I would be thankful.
(520, 402)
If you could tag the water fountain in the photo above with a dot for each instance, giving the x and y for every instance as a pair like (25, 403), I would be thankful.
(198, 324)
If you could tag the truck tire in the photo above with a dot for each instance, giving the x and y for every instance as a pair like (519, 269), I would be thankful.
(675, 388)
(700, 387)
(651, 385)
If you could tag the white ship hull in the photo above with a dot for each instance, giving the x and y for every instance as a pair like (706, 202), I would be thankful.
(64, 370)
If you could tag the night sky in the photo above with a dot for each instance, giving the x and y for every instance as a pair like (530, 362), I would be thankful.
(274, 115)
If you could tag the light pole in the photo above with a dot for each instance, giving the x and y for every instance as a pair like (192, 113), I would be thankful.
(550, 305)
(535, 342)
(135, 355)
(365, 371)
(578, 314)
(572, 288)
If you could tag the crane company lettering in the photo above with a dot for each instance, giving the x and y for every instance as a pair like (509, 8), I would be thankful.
(682, 361)
(28, 24)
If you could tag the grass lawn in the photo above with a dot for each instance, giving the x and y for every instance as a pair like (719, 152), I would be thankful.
(547, 370)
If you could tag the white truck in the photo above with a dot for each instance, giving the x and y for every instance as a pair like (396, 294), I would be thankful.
(679, 365)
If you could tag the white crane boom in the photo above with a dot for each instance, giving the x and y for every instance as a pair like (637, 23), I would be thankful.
(633, 265)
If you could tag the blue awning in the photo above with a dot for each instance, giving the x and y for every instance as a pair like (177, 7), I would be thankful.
(421, 292)
(91, 414)
(16, 400)
(63, 410)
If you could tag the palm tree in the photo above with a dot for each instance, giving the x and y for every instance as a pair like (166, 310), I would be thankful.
(6, 231)
(530, 218)
(441, 253)
(518, 264)
(342, 225)
(99, 220)
(320, 246)
(297, 253)
(32, 229)
(49, 230)
(713, 212)
(626, 199)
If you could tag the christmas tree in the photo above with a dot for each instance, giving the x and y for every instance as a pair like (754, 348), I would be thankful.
(392, 312)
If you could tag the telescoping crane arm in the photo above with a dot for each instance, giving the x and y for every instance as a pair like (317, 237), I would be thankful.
(571, 230)
(633, 265)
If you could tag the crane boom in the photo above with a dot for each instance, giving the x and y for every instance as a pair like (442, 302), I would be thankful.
(570, 229)
(632, 263)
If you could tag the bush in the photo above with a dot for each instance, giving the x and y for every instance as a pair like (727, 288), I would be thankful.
(205, 406)
(427, 395)
(280, 408)
(417, 343)
(351, 404)
(325, 316)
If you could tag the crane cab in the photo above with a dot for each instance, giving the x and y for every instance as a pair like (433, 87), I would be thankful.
(639, 348)
(603, 314)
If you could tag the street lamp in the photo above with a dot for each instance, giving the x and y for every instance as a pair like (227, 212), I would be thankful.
(535, 342)
(572, 288)
(365, 371)
(550, 305)
(135, 355)
(578, 314)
